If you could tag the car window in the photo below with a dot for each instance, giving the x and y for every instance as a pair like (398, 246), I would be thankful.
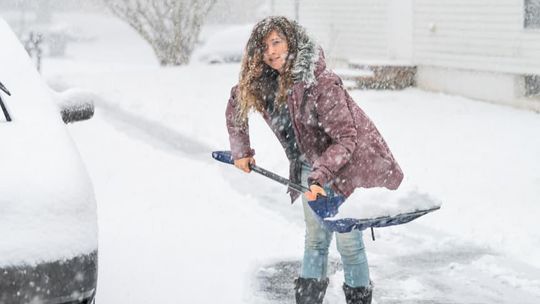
(5, 114)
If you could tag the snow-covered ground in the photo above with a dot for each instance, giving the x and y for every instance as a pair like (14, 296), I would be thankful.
(177, 227)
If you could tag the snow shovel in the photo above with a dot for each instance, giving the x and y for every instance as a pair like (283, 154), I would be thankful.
(326, 207)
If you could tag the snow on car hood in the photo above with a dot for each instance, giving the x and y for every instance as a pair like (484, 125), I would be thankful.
(47, 205)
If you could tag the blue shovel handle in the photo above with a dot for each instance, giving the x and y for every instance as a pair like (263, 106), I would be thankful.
(223, 156)
(323, 206)
(226, 157)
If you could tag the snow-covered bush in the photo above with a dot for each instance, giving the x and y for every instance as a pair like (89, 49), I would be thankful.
(170, 26)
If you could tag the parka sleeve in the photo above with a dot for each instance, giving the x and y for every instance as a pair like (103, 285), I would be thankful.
(336, 119)
(238, 131)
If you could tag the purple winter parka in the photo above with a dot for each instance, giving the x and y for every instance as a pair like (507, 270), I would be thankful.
(338, 139)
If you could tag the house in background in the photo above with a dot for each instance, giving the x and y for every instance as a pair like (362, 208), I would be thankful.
(483, 49)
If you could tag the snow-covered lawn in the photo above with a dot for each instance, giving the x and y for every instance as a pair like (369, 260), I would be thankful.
(177, 227)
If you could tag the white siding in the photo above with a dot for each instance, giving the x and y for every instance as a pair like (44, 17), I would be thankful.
(351, 29)
(400, 30)
(484, 35)
(282, 8)
(348, 28)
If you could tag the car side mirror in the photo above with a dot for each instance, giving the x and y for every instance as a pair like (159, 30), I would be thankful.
(76, 105)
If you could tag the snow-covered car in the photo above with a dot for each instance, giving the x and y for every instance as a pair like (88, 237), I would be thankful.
(223, 46)
(48, 219)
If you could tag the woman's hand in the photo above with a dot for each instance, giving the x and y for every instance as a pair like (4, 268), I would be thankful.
(314, 191)
(243, 163)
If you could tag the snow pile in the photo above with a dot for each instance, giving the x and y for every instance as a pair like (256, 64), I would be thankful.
(376, 202)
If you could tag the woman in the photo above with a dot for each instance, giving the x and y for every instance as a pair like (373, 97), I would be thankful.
(332, 146)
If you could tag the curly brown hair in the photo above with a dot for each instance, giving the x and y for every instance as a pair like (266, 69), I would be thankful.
(258, 82)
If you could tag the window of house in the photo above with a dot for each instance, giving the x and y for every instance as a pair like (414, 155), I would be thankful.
(532, 14)
(532, 85)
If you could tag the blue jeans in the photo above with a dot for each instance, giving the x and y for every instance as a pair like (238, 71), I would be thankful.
(317, 241)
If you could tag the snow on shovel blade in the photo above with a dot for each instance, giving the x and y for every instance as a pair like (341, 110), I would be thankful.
(329, 207)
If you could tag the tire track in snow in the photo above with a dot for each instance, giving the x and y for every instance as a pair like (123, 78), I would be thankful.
(263, 191)
(154, 133)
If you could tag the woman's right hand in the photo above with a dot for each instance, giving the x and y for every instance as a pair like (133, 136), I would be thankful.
(243, 163)
(314, 192)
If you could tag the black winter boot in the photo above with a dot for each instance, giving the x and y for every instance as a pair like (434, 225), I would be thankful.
(310, 291)
(358, 295)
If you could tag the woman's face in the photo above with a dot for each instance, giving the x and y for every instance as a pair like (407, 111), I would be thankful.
(275, 51)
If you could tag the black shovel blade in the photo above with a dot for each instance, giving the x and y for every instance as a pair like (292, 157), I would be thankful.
(348, 224)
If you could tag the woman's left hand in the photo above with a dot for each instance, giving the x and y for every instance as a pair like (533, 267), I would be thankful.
(314, 191)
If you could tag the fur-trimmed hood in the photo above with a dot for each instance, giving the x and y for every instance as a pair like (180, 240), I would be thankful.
(309, 61)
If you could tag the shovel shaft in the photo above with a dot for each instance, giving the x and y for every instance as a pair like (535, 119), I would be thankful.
(225, 157)
(279, 179)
